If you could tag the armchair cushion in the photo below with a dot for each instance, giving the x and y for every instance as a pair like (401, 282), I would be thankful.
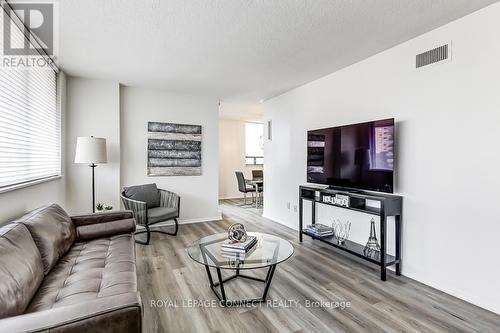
(159, 214)
(147, 193)
(53, 233)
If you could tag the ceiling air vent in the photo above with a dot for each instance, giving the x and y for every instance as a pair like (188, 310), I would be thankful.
(433, 56)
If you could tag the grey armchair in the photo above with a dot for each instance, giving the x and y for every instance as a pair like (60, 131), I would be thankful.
(151, 205)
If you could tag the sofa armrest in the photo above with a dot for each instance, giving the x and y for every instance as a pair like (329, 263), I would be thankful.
(87, 219)
(121, 313)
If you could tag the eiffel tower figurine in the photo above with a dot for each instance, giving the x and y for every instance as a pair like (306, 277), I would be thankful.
(372, 246)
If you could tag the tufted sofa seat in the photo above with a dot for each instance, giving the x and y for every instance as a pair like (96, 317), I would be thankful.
(69, 274)
(97, 268)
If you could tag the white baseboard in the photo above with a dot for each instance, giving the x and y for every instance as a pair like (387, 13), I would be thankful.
(186, 221)
(294, 227)
(201, 219)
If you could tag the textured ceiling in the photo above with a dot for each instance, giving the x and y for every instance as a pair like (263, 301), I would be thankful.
(237, 50)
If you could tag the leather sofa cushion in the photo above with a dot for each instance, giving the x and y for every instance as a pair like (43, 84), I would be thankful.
(104, 229)
(21, 269)
(146, 193)
(159, 214)
(90, 270)
(53, 233)
(87, 219)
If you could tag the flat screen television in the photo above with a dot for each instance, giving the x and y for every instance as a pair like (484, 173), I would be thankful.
(357, 156)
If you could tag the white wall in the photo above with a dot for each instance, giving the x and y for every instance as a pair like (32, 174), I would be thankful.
(253, 112)
(18, 202)
(447, 151)
(138, 106)
(232, 157)
(93, 109)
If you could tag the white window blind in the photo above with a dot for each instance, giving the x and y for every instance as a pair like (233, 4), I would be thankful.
(30, 124)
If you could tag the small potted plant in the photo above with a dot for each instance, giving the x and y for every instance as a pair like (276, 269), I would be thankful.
(103, 207)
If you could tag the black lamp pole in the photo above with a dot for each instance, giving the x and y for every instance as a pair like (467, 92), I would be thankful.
(91, 151)
(93, 165)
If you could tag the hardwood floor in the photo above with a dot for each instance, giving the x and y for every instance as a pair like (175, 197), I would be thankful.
(314, 273)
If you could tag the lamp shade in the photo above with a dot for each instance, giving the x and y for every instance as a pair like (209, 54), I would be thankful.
(91, 150)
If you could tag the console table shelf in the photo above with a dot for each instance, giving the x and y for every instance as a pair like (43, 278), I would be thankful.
(366, 210)
(353, 248)
(385, 205)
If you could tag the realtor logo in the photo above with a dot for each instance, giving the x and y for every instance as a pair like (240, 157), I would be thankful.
(28, 33)
(37, 18)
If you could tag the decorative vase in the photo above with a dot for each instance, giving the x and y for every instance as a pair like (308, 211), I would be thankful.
(341, 231)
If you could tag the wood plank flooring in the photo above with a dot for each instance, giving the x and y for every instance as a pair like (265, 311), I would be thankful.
(314, 273)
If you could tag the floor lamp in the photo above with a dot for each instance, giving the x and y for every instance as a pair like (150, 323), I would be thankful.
(91, 151)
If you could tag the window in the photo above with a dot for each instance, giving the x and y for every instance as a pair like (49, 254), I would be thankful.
(30, 123)
(254, 144)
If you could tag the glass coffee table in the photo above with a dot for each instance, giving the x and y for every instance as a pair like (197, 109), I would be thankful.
(267, 253)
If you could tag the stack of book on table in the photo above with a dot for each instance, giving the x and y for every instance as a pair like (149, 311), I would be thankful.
(319, 230)
(237, 250)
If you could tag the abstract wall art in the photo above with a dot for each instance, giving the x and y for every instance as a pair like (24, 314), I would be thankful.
(174, 149)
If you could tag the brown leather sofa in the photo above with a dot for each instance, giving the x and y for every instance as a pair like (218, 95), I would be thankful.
(69, 274)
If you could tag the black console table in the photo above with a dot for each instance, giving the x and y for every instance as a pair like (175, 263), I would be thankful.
(387, 205)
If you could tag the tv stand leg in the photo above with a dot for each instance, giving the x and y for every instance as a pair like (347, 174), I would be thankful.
(383, 273)
(300, 216)
(383, 249)
(398, 244)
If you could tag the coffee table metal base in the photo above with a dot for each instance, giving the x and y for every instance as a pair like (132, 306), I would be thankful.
(222, 294)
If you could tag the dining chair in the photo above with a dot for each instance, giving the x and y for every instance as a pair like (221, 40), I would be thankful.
(257, 174)
(242, 187)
